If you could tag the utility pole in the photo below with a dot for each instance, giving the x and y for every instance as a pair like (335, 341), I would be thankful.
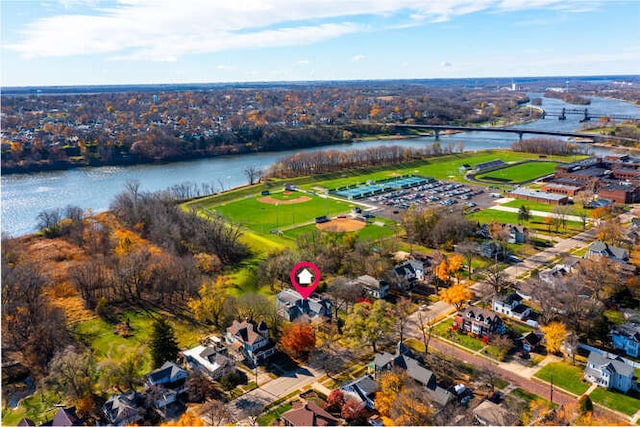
(551, 391)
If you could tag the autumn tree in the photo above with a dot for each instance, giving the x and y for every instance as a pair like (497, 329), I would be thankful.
(298, 339)
(353, 412)
(468, 250)
(456, 295)
(497, 279)
(335, 400)
(186, 419)
(454, 266)
(122, 369)
(210, 306)
(370, 323)
(390, 385)
(554, 335)
(412, 407)
(72, 374)
(164, 346)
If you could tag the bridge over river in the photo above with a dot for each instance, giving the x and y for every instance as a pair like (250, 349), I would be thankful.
(594, 137)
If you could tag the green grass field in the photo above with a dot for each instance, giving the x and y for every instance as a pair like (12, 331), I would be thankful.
(445, 167)
(264, 217)
(532, 206)
(518, 173)
(617, 401)
(564, 375)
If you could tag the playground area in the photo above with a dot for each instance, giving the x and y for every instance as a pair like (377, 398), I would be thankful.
(371, 188)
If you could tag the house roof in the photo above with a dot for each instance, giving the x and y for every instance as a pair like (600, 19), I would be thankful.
(629, 330)
(611, 251)
(439, 395)
(26, 422)
(245, 332)
(208, 357)
(508, 299)
(532, 339)
(168, 370)
(492, 414)
(479, 314)
(122, 407)
(369, 282)
(309, 414)
(360, 389)
(613, 365)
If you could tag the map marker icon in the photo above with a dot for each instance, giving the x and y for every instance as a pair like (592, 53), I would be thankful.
(305, 277)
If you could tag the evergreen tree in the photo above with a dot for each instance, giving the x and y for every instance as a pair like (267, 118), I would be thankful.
(523, 214)
(163, 343)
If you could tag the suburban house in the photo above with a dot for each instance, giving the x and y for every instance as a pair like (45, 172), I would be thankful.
(405, 360)
(362, 390)
(124, 409)
(373, 287)
(608, 373)
(479, 322)
(211, 359)
(167, 383)
(308, 414)
(517, 234)
(599, 249)
(558, 271)
(492, 250)
(530, 342)
(251, 340)
(64, 417)
(290, 305)
(409, 272)
(510, 305)
(491, 414)
(626, 337)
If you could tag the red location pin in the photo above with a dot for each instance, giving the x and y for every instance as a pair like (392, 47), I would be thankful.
(305, 277)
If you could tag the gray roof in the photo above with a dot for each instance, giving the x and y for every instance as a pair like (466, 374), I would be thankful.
(631, 330)
(614, 365)
(439, 395)
(537, 193)
(168, 370)
(491, 414)
(612, 251)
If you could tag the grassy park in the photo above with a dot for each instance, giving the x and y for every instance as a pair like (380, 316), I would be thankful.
(617, 401)
(519, 173)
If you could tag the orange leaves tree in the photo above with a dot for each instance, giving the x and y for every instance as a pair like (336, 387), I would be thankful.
(401, 401)
(298, 339)
(456, 295)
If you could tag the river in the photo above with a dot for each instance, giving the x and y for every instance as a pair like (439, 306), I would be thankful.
(24, 196)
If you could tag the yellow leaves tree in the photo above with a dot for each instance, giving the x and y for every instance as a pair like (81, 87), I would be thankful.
(390, 385)
(554, 334)
(455, 264)
(456, 295)
(186, 419)
(442, 270)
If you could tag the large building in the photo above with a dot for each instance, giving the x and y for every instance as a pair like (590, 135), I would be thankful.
(614, 177)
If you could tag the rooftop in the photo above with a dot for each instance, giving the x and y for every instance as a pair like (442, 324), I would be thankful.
(537, 193)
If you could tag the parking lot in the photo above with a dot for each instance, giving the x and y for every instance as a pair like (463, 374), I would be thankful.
(436, 193)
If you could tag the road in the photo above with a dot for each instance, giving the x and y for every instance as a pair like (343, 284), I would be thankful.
(275, 389)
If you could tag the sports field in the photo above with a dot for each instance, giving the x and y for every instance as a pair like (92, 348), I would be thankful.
(279, 211)
(522, 172)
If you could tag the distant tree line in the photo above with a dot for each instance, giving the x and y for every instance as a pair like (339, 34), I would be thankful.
(548, 146)
(317, 162)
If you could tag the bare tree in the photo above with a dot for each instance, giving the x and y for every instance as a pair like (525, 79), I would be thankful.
(468, 250)
(216, 412)
(402, 310)
(426, 325)
(253, 173)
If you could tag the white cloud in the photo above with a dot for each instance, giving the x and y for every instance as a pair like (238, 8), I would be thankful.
(445, 64)
(167, 29)
(357, 58)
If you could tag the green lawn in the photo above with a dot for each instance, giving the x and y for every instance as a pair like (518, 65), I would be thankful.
(616, 401)
(564, 375)
(445, 167)
(519, 173)
(370, 232)
(268, 418)
(263, 217)
(532, 206)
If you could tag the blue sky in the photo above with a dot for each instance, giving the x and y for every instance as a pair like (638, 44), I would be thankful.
(70, 42)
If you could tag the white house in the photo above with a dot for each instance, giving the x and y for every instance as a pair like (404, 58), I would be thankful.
(511, 306)
(608, 373)
(210, 359)
(373, 287)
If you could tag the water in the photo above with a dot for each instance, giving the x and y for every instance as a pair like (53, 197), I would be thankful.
(26, 195)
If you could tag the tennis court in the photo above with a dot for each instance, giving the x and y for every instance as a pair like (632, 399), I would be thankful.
(371, 188)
